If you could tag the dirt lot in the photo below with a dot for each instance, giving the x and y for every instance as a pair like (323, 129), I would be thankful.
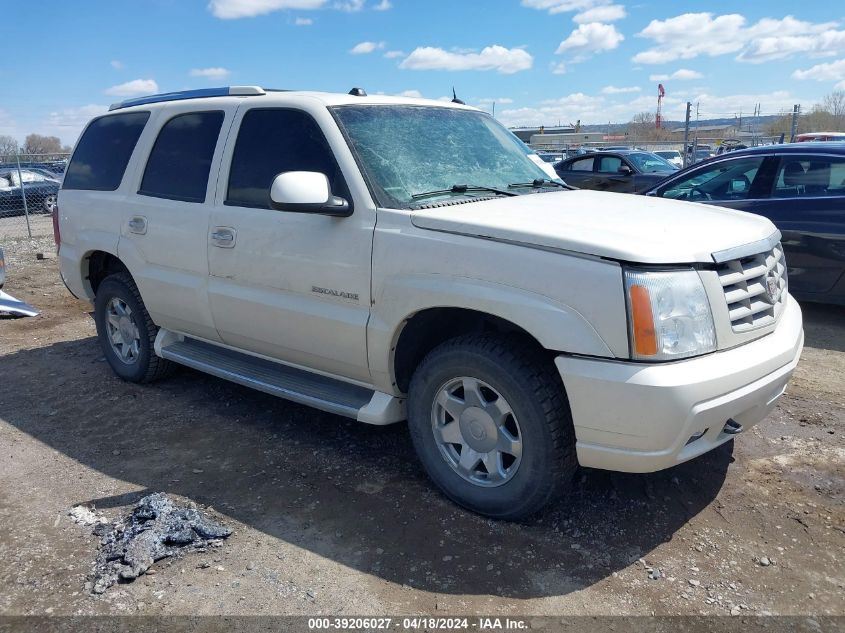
(335, 517)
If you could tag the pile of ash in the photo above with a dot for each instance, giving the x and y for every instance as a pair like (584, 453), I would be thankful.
(156, 528)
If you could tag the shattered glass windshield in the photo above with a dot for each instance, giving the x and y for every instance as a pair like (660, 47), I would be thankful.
(406, 151)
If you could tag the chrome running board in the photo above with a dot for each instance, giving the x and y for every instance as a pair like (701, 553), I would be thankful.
(290, 383)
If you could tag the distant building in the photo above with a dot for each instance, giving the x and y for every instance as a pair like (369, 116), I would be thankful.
(525, 133)
(707, 131)
(566, 138)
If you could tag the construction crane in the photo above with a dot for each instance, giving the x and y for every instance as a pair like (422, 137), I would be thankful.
(658, 118)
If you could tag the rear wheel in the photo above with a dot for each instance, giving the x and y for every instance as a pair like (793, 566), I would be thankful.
(489, 420)
(126, 331)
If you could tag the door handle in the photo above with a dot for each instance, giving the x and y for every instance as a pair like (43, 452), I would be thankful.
(223, 236)
(138, 225)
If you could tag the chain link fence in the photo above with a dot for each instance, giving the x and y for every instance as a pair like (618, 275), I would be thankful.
(29, 185)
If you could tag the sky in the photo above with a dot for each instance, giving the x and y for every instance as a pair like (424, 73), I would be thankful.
(540, 61)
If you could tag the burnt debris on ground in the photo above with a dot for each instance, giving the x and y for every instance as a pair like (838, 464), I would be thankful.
(156, 528)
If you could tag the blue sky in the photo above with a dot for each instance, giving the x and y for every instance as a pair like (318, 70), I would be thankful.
(541, 61)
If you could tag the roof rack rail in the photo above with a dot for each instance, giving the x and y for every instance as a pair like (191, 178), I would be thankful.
(226, 91)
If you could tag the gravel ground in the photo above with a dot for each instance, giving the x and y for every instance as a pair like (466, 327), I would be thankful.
(335, 517)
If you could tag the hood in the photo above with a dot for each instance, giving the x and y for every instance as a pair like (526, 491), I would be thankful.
(615, 225)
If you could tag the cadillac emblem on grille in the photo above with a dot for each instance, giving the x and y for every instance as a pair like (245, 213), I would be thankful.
(771, 288)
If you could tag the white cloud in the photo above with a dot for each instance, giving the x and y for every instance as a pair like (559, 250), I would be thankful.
(591, 38)
(765, 40)
(350, 6)
(134, 87)
(232, 9)
(364, 48)
(413, 94)
(117, 64)
(303, 21)
(613, 90)
(681, 74)
(394, 54)
(558, 68)
(67, 123)
(834, 71)
(563, 6)
(490, 100)
(384, 5)
(503, 60)
(606, 13)
(211, 73)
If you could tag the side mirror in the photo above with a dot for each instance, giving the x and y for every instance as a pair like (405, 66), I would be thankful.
(306, 192)
(625, 170)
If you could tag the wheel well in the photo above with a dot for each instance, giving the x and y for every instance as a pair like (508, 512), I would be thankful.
(429, 328)
(101, 265)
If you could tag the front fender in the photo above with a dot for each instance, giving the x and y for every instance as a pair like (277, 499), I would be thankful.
(555, 325)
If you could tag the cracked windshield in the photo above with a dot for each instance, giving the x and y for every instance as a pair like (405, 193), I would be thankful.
(412, 150)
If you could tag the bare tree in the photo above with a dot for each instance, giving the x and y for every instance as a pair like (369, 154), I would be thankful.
(8, 146)
(37, 144)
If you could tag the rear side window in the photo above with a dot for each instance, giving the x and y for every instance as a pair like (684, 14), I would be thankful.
(582, 164)
(103, 152)
(274, 141)
(180, 161)
(810, 177)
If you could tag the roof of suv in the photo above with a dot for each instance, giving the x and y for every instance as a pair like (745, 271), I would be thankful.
(827, 147)
(355, 96)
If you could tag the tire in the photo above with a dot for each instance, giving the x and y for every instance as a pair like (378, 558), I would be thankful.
(517, 484)
(135, 361)
(48, 205)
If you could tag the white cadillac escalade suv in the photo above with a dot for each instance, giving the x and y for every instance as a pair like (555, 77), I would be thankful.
(394, 259)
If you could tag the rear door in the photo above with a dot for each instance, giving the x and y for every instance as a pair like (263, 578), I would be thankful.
(165, 223)
(578, 172)
(808, 206)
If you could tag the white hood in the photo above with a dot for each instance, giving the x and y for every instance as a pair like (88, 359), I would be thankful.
(615, 225)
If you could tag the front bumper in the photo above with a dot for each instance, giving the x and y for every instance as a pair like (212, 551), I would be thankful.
(634, 417)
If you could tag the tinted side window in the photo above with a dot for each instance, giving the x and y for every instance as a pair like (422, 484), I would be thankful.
(726, 180)
(810, 176)
(609, 164)
(583, 164)
(103, 152)
(274, 141)
(181, 157)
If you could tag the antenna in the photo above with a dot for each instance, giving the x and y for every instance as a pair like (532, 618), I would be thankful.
(455, 97)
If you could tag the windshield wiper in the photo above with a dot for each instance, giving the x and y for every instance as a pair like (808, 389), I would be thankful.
(461, 189)
(537, 183)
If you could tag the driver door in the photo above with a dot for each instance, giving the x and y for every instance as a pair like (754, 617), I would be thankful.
(736, 183)
(290, 286)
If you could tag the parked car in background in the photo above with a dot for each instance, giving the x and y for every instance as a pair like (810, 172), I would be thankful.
(551, 157)
(672, 156)
(621, 171)
(821, 137)
(730, 145)
(39, 189)
(800, 188)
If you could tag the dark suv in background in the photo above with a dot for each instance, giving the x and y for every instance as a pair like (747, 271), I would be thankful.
(800, 187)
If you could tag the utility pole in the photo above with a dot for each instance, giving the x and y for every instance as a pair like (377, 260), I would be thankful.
(796, 109)
(686, 132)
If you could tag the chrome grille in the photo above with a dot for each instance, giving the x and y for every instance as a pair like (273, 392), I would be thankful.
(755, 288)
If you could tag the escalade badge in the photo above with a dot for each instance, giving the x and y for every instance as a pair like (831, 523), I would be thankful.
(771, 288)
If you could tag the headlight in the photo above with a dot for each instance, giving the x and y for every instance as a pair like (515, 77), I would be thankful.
(668, 314)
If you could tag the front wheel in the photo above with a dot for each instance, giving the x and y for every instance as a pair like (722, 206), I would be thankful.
(491, 425)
